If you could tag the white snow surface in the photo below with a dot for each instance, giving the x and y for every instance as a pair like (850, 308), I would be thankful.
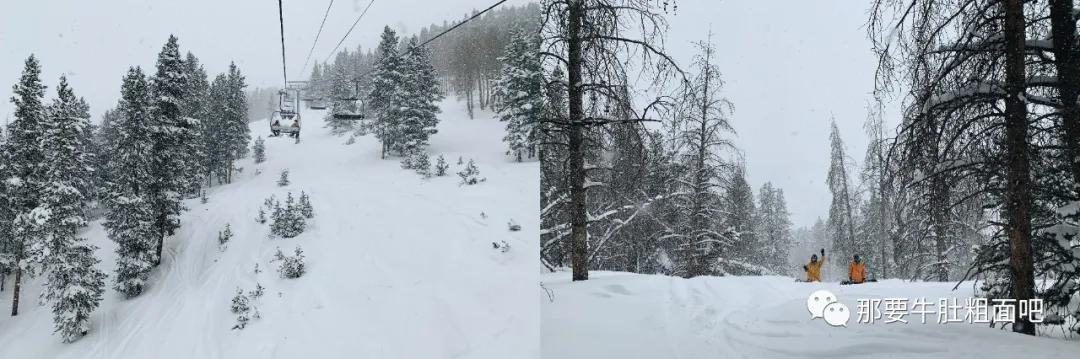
(397, 266)
(634, 316)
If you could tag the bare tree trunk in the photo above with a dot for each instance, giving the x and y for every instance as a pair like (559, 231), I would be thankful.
(940, 218)
(228, 176)
(578, 225)
(17, 288)
(1063, 28)
(1018, 188)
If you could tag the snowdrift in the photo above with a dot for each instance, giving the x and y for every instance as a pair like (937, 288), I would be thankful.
(396, 266)
(631, 316)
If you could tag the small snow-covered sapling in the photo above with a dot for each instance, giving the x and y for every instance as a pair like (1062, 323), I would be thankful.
(305, 206)
(257, 293)
(291, 266)
(470, 175)
(240, 307)
(262, 216)
(441, 166)
(351, 140)
(260, 151)
(504, 247)
(514, 226)
(204, 199)
(284, 179)
(460, 161)
(225, 236)
(421, 163)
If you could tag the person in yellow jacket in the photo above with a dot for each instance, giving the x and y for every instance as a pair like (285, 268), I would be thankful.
(813, 269)
(856, 270)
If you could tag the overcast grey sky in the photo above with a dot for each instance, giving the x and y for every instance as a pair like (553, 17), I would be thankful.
(788, 66)
(95, 42)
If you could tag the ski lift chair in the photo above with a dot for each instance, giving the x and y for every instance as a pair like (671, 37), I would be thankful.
(342, 114)
(317, 105)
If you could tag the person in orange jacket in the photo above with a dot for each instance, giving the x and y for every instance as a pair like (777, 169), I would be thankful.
(857, 270)
(813, 269)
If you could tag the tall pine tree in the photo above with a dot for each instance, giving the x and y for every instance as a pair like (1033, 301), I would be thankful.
(171, 141)
(387, 91)
(25, 170)
(74, 286)
(521, 93)
(419, 105)
(130, 221)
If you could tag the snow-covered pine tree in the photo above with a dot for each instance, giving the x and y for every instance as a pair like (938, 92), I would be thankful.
(387, 93)
(292, 219)
(262, 216)
(131, 221)
(25, 168)
(340, 85)
(740, 217)
(440, 166)
(260, 150)
(419, 105)
(195, 105)
(305, 206)
(104, 140)
(702, 142)
(470, 175)
(225, 235)
(315, 80)
(284, 179)
(216, 129)
(81, 288)
(278, 219)
(73, 285)
(236, 117)
(841, 222)
(170, 137)
(421, 163)
(521, 91)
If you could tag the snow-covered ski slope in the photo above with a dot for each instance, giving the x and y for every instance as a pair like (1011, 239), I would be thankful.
(632, 316)
(397, 266)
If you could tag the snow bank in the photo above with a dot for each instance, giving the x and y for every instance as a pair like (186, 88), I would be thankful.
(632, 316)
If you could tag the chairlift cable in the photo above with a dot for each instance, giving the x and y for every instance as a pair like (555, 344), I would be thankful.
(350, 31)
(281, 20)
(302, 69)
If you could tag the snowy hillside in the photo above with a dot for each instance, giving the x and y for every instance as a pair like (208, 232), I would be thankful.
(631, 316)
(396, 266)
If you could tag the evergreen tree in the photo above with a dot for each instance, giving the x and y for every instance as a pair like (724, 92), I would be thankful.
(440, 166)
(387, 93)
(170, 143)
(216, 129)
(76, 288)
(260, 150)
(236, 114)
(741, 215)
(25, 169)
(522, 94)
(340, 85)
(419, 104)
(305, 206)
(130, 221)
(195, 107)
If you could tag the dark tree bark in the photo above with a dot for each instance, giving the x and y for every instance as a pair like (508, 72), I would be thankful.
(579, 235)
(1018, 188)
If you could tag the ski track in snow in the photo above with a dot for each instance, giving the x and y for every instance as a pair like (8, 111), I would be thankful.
(632, 316)
(397, 266)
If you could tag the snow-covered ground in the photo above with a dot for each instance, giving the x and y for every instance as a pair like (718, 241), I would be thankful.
(397, 266)
(631, 316)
